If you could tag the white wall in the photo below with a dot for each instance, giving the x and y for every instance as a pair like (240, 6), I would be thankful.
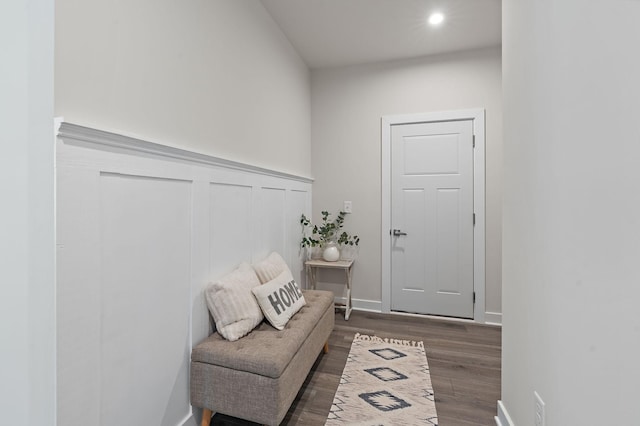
(571, 245)
(347, 105)
(212, 77)
(216, 77)
(27, 316)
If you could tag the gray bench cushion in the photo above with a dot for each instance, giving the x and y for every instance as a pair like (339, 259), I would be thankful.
(266, 351)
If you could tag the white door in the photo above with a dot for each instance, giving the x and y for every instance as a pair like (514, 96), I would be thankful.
(432, 218)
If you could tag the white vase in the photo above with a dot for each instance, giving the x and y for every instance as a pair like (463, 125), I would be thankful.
(331, 253)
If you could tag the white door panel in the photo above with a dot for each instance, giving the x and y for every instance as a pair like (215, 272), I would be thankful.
(432, 202)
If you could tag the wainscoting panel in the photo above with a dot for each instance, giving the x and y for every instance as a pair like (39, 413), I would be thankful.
(271, 218)
(145, 298)
(142, 229)
(78, 296)
(231, 227)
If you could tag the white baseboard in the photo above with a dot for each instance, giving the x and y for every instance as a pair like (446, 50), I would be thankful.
(190, 420)
(503, 418)
(490, 318)
(361, 304)
(493, 318)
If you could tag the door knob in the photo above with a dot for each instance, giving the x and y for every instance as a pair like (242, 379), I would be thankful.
(397, 233)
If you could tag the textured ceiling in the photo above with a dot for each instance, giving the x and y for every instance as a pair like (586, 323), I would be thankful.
(331, 33)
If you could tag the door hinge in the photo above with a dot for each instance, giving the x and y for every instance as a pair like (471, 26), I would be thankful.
(474, 219)
(474, 297)
(474, 141)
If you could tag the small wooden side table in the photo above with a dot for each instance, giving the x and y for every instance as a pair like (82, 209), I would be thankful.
(312, 267)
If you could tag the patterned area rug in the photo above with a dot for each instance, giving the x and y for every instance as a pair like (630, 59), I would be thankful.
(385, 382)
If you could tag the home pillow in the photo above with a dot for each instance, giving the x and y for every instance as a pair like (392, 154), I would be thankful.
(279, 299)
(269, 268)
(232, 305)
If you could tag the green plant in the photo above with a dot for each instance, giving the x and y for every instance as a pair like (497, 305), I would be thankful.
(328, 230)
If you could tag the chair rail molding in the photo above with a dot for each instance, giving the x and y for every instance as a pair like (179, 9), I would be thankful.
(99, 139)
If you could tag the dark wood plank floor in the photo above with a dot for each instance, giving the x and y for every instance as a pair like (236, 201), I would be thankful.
(464, 360)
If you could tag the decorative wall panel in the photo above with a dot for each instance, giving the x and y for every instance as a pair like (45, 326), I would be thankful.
(141, 230)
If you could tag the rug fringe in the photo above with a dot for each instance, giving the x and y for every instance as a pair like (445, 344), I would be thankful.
(400, 342)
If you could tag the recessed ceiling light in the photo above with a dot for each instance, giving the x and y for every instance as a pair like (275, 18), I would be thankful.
(436, 18)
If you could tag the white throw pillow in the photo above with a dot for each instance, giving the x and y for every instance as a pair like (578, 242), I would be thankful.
(269, 268)
(279, 299)
(232, 305)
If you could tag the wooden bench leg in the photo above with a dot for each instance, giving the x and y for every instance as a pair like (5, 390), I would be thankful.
(206, 417)
(326, 348)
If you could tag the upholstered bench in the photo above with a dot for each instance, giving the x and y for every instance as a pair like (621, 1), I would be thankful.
(258, 376)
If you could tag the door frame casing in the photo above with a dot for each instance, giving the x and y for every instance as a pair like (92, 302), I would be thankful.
(477, 116)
